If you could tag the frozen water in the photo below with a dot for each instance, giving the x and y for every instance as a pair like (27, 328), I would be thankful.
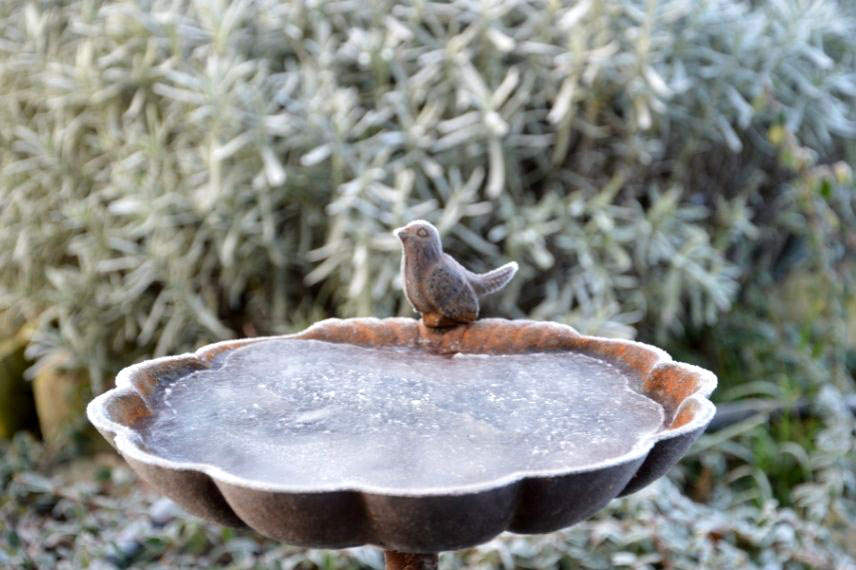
(320, 415)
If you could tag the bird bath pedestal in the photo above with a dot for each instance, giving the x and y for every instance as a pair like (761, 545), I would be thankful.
(414, 439)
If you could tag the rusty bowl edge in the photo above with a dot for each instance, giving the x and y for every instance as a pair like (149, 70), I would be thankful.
(524, 502)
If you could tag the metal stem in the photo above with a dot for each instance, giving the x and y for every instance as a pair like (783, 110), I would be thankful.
(404, 561)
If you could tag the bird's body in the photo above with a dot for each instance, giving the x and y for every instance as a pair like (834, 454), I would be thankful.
(436, 285)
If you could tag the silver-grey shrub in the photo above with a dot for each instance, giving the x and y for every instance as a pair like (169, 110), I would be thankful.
(175, 172)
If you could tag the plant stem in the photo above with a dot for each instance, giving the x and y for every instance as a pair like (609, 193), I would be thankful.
(405, 561)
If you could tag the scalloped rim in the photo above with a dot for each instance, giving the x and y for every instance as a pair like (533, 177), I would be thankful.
(124, 437)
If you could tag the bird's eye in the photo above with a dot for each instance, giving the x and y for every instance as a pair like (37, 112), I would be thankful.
(422, 232)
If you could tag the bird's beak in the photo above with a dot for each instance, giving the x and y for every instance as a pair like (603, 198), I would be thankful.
(400, 233)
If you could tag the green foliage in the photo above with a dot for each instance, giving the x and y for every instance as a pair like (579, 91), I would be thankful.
(175, 172)
(182, 172)
(111, 522)
(789, 341)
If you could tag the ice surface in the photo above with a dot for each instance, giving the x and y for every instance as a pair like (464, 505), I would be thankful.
(318, 415)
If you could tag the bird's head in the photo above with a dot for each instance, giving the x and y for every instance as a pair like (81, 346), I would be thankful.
(419, 236)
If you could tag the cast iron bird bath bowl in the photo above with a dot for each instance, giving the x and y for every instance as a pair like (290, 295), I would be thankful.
(414, 439)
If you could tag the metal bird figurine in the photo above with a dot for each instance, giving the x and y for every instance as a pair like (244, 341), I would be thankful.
(437, 286)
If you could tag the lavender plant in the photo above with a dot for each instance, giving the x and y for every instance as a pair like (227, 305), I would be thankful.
(181, 172)
(110, 521)
(175, 172)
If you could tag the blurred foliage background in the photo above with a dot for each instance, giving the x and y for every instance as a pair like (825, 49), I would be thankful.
(176, 172)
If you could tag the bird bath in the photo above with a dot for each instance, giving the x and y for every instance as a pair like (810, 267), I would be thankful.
(411, 438)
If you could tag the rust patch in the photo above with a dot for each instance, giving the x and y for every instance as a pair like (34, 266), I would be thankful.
(686, 412)
(127, 408)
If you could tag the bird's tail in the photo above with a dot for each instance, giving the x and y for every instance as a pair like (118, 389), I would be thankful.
(493, 281)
